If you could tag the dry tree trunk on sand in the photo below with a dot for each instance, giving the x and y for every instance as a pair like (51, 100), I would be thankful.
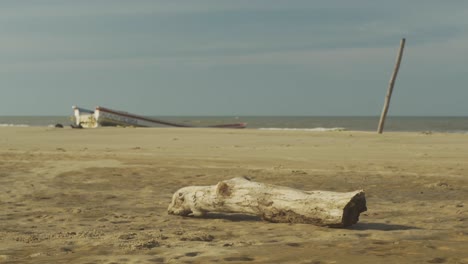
(273, 203)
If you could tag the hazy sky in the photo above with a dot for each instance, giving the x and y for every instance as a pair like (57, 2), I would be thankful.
(237, 57)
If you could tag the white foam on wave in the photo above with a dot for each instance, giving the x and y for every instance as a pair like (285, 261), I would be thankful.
(13, 125)
(315, 129)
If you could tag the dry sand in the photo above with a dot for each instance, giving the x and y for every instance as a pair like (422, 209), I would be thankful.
(101, 195)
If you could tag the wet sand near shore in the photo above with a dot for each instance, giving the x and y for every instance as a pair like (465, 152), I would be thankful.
(101, 195)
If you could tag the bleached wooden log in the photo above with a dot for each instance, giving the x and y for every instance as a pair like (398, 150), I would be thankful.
(272, 203)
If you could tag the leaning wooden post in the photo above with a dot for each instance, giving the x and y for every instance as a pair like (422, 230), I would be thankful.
(390, 88)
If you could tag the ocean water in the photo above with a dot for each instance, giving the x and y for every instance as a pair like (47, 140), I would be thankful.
(308, 123)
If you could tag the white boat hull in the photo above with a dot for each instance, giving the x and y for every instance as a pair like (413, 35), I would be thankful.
(102, 116)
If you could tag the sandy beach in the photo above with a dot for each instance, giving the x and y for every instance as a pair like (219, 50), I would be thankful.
(101, 195)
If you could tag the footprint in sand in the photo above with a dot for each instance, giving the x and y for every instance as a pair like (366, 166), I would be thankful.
(157, 260)
(437, 260)
(293, 244)
(243, 258)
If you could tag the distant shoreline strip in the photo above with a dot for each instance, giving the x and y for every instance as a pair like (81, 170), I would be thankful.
(14, 125)
(315, 129)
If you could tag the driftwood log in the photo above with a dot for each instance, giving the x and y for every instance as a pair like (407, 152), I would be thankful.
(272, 203)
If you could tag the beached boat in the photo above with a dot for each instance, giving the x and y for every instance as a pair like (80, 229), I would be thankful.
(102, 116)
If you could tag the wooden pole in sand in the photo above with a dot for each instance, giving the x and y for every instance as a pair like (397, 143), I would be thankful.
(390, 88)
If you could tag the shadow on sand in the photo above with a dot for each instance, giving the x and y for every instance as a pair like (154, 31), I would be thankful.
(380, 227)
(233, 217)
(358, 226)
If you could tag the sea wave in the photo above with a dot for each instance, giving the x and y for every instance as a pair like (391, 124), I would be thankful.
(315, 129)
(456, 132)
(13, 125)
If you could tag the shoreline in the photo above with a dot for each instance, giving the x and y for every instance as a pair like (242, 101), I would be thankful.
(292, 129)
(393, 124)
